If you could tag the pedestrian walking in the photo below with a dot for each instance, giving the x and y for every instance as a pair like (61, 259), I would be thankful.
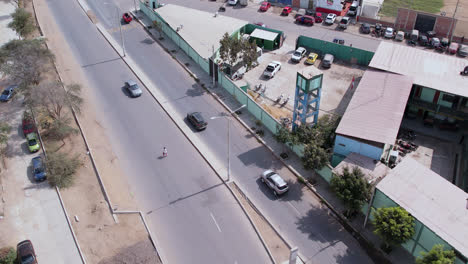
(164, 152)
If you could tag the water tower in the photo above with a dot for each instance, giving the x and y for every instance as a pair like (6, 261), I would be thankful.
(307, 96)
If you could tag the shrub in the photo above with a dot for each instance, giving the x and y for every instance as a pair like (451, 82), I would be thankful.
(61, 169)
(7, 255)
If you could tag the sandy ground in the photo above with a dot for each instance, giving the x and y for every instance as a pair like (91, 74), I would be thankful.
(100, 237)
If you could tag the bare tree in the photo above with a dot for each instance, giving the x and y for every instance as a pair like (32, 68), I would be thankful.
(4, 131)
(54, 99)
(158, 26)
(24, 61)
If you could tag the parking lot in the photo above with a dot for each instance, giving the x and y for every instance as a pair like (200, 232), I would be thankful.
(336, 88)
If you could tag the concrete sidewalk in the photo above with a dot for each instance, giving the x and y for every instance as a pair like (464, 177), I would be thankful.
(32, 210)
(6, 8)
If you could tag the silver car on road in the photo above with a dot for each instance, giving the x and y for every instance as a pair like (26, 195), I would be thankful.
(274, 182)
(133, 88)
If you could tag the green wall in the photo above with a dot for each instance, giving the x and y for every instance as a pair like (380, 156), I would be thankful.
(341, 52)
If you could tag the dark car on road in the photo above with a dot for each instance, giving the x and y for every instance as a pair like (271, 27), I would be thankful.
(197, 120)
(39, 170)
(26, 254)
(8, 93)
(365, 28)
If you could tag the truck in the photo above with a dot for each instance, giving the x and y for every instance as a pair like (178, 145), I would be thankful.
(244, 2)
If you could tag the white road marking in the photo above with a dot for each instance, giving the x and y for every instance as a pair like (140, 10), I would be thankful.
(216, 223)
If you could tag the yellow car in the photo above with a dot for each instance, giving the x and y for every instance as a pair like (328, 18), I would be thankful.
(311, 58)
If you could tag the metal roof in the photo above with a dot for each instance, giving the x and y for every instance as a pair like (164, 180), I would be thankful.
(427, 68)
(201, 30)
(434, 201)
(377, 107)
(263, 34)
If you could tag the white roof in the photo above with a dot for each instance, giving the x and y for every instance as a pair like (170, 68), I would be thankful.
(201, 30)
(263, 34)
(377, 107)
(434, 201)
(372, 170)
(427, 68)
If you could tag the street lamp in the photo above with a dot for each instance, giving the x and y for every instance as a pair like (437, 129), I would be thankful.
(120, 25)
(227, 116)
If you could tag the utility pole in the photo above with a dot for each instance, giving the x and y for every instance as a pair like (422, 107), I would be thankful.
(453, 20)
(117, 9)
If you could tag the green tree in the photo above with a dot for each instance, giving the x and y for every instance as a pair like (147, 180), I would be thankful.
(22, 22)
(314, 157)
(233, 50)
(437, 255)
(61, 169)
(7, 255)
(24, 61)
(325, 127)
(394, 225)
(60, 129)
(158, 26)
(351, 188)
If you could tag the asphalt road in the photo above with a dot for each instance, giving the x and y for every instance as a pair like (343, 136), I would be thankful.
(170, 188)
(195, 218)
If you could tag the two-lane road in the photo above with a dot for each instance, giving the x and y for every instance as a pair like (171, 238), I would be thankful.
(192, 214)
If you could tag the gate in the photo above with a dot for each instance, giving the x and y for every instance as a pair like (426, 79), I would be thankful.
(424, 23)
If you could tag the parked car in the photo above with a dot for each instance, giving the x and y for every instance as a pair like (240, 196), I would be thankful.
(298, 54)
(33, 142)
(400, 36)
(307, 20)
(300, 12)
(274, 182)
(344, 22)
(233, 2)
(272, 69)
(28, 126)
(260, 24)
(311, 58)
(38, 167)
(413, 37)
(435, 42)
(133, 88)
(352, 11)
(309, 12)
(318, 17)
(430, 34)
(265, 6)
(327, 60)
(453, 48)
(388, 33)
(330, 18)
(197, 120)
(8, 93)
(365, 28)
(463, 50)
(423, 40)
(286, 11)
(25, 253)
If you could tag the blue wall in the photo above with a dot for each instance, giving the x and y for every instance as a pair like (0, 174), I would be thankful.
(344, 146)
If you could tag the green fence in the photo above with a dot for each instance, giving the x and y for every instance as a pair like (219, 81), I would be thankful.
(341, 52)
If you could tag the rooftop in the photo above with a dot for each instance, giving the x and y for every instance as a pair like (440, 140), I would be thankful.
(429, 69)
(263, 34)
(377, 107)
(434, 201)
(372, 170)
(201, 30)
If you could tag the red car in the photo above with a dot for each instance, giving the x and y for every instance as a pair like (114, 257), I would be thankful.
(264, 6)
(127, 18)
(306, 20)
(286, 11)
(318, 17)
(28, 126)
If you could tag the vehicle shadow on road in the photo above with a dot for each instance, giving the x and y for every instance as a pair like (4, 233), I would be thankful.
(259, 158)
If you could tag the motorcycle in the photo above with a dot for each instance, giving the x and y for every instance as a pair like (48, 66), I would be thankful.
(285, 101)
(279, 98)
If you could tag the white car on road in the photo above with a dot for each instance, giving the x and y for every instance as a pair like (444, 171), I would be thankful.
(274, 182)
(233, 2)
(272, 69)
(330, 18)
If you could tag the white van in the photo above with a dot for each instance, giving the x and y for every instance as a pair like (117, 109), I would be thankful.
(353, 9)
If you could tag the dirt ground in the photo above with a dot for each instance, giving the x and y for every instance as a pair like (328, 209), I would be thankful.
(102, 240)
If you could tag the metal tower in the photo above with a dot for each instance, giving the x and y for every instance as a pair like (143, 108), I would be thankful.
(307, 96)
